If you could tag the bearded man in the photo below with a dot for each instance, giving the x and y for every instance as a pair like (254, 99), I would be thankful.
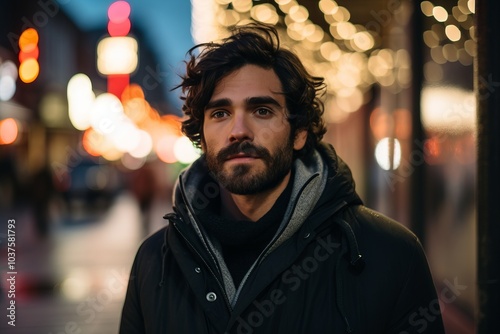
(268, 234)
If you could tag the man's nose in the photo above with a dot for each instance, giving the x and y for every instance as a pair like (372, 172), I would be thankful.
(240, 129)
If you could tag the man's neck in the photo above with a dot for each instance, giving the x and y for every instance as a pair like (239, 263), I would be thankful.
(250, 207)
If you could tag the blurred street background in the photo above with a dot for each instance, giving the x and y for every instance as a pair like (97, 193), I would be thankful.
(90, 141)
(75, 281)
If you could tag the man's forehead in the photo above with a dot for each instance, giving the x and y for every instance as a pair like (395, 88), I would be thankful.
(252, 76)
(249, 83)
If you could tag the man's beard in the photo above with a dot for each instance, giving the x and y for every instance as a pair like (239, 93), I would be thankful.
(241, 179)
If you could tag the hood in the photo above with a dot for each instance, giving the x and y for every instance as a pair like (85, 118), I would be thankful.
(194, 183)
(340, 186)
(322, 185)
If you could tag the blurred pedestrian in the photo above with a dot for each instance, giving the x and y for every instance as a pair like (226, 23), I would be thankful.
(41, 190)
(268, 234)
(142, 186)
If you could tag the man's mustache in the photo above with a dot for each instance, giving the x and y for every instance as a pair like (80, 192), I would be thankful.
(244, 147)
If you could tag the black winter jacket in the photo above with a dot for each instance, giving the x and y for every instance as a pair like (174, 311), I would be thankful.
(334, 266)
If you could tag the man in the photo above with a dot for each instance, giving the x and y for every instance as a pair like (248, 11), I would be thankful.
(268, 234)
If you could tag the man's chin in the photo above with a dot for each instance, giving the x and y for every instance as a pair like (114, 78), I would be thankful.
(241, 188)
(240, 182)
(250, 183)
(239, 170)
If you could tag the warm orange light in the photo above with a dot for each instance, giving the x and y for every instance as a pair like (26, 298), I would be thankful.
(28, 39)
(432, 150)
(173, 124)
(29, 70)
(8, 131)
(153, 115)
(132, 91)
(28, 55)
(381, 123)
(402, 119)
(92, 142)
(137, 109)
(32, 53)
(135, 105)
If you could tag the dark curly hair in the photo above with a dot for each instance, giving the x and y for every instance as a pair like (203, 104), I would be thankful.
(253, 44)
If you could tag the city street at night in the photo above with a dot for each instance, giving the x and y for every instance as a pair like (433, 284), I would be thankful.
(256, 127)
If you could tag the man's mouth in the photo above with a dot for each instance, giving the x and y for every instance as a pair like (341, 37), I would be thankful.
(241, 156)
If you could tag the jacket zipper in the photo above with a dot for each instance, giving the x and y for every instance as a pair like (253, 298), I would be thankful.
(207, 247)
(196, 223)
(226, 298)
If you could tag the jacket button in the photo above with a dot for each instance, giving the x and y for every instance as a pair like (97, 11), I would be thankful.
(211, 296)
(197, 270)
(307, 235)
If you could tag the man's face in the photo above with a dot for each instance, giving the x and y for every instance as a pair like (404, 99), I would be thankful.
(246, 135)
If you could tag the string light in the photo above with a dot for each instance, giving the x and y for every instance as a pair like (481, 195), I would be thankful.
(322, 50)
(452, 37)
(341, 43)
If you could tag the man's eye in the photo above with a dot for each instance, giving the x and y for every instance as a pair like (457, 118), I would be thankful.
(219, 114)
(263, 112)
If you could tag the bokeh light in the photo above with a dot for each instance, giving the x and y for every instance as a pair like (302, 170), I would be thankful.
(165, 148)
(117, 55)
(388, 153)
(448, 109)
(7, 87)
(144, 145)
(80, 100)
(92, 142)
(131, 162)
(28, 40)
(440, 13)
(76, 286)
(29, 70)
(9, 131)
(184, 150)
(28, 55)
(119, 29)
(119, 11)
(106, 113)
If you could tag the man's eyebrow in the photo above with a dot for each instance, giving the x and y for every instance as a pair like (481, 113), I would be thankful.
(256, 100)
(251, 101)
(218, 103)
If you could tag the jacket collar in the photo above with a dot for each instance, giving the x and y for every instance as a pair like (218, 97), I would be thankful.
(322, 181)
(322, 185)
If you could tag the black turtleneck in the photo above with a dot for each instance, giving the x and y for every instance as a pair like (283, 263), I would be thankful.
(242, 241)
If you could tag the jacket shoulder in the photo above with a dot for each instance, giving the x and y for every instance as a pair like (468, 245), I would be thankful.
(385, 244)
(396, 276)
(151, 249)
(154, 240)
(380, 228)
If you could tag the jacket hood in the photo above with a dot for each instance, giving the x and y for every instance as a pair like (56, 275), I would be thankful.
(335, 182)
(340, 186)
(322, 185)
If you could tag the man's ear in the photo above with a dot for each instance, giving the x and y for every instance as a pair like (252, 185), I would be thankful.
(300, 139)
